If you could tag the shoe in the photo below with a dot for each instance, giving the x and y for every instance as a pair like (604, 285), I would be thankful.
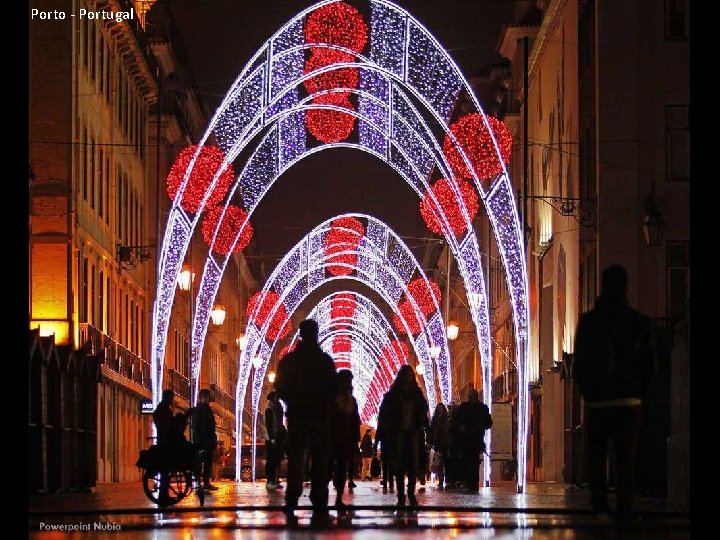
(384, 489)
(210, 487)
(278, 485)
(422, 481)
(411, 498)
(401, 500)
(270, 486)
(320, 519)
(352, 484)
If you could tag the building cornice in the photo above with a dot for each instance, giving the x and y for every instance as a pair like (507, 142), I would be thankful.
(550, 21)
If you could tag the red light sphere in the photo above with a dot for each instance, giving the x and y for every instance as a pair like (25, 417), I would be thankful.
(336, 24)
(425, 293)
(341, 344)
(337, 78)
(331, 126)
(231, 223)
(344, 235)
(342, 306)
(286, 349)
(400, 349)
(449, 206)
(410, 317)
(475, 139)
(279, 326)
(207, 164)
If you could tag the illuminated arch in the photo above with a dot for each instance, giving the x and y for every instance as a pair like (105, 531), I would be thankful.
(404, 52)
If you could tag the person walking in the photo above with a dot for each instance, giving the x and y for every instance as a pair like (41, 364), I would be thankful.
(204, 436)
(307, 382)
(403, 417)
(438, 441)
(612, 365)
(367, 452)
(473, 418)
(275, 440)
(345, 426)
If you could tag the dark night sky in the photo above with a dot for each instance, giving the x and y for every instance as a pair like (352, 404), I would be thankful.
(222, 35)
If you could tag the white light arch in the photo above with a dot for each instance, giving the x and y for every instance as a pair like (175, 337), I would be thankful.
(405, 52)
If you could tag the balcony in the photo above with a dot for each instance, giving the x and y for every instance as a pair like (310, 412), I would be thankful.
(116, 357)
(225, 400)
(504, 386)
(179, 384)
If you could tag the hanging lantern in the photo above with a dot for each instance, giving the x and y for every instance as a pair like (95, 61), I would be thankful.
(232, 221)
(206, 166)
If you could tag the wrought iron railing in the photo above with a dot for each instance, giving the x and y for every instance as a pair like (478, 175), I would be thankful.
(225, 400)
(116, 357)
(179, 383)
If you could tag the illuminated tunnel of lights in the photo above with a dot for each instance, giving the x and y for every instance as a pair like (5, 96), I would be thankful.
(401, 65)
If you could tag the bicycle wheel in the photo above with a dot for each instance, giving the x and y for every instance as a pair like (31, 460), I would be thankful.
(179, 484)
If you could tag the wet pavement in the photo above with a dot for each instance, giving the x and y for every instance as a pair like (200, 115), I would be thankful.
(248, 510)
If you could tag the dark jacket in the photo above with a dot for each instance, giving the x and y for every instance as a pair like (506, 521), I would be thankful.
(613, 358)
(307, 382)
(274, 422)
(203, 426)
(390, 414)
(437, 437)
(366, 446)
(345, 425)
(163, 419)
(472, 421)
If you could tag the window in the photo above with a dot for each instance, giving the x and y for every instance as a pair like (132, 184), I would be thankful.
(677, 19)
(108, 306)
(118, 198)
(85, 157)
(85, 40)
(91, 315)
(678, 279)
(101, 181)
(107, 191)
(85, 293)
(93, 51)
(677, 143)
(92, 173)
(101, 60)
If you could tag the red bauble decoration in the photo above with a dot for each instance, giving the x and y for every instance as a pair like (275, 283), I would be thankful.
(287, 349)
(424, 292)
(449, 205)
(337, 78)
(471, 133)
(336, 24)
(207, 164)
(341, 344)
(338, 240)
(410, 317)
(342, 364)
(231, 223)
(279, 326)
(342, 306)
(400, 349)
(330, 126)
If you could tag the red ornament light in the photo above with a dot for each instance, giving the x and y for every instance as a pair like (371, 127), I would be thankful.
(341, 344)
(425, 293)
(336, 24)
(342, 363)
(388, 353)
(342, 306)
(449, 206)
(279, 326)
(410, 317)
(337, 78)
(331, 126)
(471, 132)
(207, 164)
(231, 223)
(287, 349)
(344, 235)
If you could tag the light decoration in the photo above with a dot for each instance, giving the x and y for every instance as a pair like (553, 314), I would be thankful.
(343, 238)
(407, 314)
(206, 166)
(448, 206)
(471, 132)
(234, 220)
(286, 349)
(186, 277)
(345, 77)
(336, 23)
(343, 306)
(217, 314)
(409, 56)
(426, 294)
(341, 344)
(331, 125)
(261, 306)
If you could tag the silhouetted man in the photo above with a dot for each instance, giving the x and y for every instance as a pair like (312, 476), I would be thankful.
(276, 440)
(473, 418)
(613, 363)
(204, 435)
(307, 382)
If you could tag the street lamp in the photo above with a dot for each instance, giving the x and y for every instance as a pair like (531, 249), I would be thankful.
(257, 361)
(435, 352)
(420, 369)
(452, 330)
(217, 314)
(271, 377)
(653, 222)
(241, 341)
(186, 277)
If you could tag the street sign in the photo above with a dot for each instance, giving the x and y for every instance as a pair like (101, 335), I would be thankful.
(145, 406)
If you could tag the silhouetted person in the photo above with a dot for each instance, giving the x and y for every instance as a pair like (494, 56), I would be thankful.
(345, 429)
(438, 441)
(366, 452)
(384, 439)
(276, 439)
(473, 418)
(404, 414)
(307, 382)
(163, 418)
(204, 436)
(613, 363)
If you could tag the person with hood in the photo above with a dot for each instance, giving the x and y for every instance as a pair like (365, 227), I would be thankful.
(345, 426)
